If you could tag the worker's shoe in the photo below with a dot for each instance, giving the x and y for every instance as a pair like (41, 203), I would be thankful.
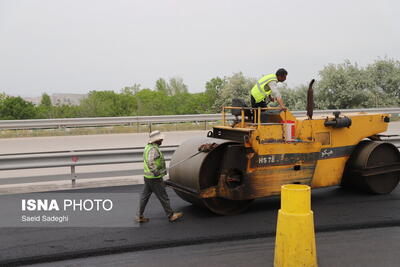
(141, 219)
(175, 216)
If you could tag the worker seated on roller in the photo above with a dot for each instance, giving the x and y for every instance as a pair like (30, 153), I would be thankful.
(264, 88)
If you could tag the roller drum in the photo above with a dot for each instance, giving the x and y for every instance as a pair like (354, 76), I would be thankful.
(200, 171)
(370, 154)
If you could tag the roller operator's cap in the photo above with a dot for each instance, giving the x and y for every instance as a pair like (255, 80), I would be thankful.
(155, 136)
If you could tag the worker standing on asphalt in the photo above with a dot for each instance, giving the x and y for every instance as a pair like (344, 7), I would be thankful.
(265, 86)
(154, 171)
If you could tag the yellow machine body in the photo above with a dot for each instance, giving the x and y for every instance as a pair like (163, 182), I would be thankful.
(255, 158)
(316, 158)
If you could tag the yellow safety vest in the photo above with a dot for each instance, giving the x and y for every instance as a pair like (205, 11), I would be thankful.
(258, 90)
(159, 162)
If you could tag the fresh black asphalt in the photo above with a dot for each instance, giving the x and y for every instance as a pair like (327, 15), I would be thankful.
(334, 210)
(350, 248)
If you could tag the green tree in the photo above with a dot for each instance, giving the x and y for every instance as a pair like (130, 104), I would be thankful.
(236, 86)
(2, 97)
(176, 86)
(295, 99)
(186, 103)
(213, 90)
(15, 108)
(67, 111)
(150, 103)
(182, 104)
(200, 103)
(45, 100)
(108, 104)
(385, 74)
(344, 86)
(131, 90)
(162, 86)
(45, 108)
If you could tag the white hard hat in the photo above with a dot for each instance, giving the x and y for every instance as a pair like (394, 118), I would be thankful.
(155, 136)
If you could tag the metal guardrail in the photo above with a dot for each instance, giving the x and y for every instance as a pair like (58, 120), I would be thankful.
(76, 158)
(109, 121)
(89, 157)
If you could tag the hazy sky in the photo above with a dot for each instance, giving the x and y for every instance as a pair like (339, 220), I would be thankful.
(67, 46)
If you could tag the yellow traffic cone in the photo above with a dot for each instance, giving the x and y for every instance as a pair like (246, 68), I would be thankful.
(295, 238)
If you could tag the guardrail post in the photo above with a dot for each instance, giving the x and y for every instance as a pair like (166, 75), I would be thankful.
(73, 175)
(205, 125)
(149, 127)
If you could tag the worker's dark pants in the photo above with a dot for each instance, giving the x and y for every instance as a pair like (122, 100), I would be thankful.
(157, 186)
(262, 104)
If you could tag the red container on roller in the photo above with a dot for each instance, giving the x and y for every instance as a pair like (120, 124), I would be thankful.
(289, 130)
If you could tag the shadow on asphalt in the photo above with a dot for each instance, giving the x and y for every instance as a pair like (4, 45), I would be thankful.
(322, 196)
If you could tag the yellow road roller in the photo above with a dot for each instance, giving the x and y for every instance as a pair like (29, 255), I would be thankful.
(260, 150)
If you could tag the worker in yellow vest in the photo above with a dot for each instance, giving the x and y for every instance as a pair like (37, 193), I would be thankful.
(154, 171)
(265, 87)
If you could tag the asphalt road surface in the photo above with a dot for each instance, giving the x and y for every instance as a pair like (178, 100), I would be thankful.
(355, 248)
(336, 212)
